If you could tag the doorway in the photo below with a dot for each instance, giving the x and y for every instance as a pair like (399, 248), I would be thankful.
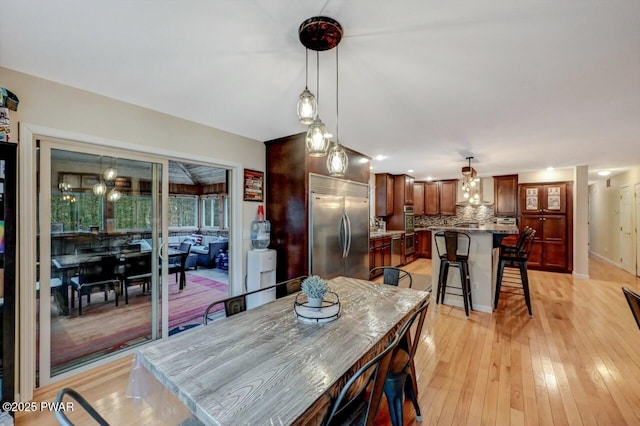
(627, 243)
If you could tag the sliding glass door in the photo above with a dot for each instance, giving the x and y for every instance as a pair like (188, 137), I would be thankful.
(101, 222)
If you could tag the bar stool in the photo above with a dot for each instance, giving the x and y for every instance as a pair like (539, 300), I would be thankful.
(453, 250)
(515, 257)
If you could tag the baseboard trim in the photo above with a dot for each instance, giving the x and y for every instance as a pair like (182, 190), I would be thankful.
(581, 276)
(605, 259)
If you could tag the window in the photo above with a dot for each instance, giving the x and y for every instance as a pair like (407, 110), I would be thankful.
(183, 212)
(215, 212)
(132, 212)
(76, 211)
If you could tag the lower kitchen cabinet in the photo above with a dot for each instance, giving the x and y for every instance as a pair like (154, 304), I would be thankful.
(550, 249)
(379, 252)
(423, 244)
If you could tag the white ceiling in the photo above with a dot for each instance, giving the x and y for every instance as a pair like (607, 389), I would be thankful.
(519, 85)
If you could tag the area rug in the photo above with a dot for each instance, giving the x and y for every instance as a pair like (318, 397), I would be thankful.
(104, 328)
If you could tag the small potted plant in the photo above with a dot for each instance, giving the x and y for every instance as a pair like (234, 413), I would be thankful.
(314, 288)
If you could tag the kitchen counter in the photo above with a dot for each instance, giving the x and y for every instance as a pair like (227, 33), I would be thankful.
(384, 234)
(483, 261)
(492, 228)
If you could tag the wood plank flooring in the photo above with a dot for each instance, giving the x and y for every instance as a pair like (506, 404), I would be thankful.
(576, 362)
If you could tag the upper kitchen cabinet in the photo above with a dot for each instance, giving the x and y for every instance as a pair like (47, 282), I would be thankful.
(543, 198)
(431, 198)
(384, 194)
(448, 195)
(402, 191)
(505, 190)
(418, 198)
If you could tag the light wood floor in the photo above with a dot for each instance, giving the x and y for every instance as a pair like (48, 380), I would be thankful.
(576, 362)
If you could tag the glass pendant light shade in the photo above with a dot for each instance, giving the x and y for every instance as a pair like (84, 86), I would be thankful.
(337, 161)
(307, 107)
(114, 195)
(99, 188)
(110, 173)
(317, 143)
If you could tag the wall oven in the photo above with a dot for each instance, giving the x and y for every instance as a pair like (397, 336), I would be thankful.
(409, 237)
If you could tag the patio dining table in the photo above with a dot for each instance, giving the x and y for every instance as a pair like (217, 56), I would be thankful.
(264, 365)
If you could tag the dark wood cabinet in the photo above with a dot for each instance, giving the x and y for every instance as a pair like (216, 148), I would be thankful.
(286, 189)
(402, 196)
(431, 198)
(548, 209)
(418, 198)
(448, 196)
(423, 244)
(543, 198)
(505, 190)
(384, 194)
(379, 252)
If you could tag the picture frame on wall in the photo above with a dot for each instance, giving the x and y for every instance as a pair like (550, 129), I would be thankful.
(253, 185)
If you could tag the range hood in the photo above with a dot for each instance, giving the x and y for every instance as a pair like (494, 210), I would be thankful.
(485, 193)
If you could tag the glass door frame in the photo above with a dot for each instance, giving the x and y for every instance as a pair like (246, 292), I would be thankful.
(159, 233)
(27, 207)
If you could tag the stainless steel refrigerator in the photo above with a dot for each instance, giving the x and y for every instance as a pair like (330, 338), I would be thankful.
(339, 229)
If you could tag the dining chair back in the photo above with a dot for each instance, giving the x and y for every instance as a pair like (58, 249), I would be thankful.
(392, 275)
(516, 258)
(352, 406)
(95, 272)
(62, 418)
(633, 299)
(137, 270)
(288, 287)
(402, 368)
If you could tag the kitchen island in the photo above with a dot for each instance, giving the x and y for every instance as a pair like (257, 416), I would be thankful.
(483, 262)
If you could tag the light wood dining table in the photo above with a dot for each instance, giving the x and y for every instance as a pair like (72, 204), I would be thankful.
(265, 366)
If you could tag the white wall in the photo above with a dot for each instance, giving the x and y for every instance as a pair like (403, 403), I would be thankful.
(555, 175)
(604, 214)
(53, 105)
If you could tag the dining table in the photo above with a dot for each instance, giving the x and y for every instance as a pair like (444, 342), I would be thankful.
(268, 365)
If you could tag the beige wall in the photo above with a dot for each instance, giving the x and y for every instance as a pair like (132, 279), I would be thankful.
(555, 175)
(604, 214)
(52, 105)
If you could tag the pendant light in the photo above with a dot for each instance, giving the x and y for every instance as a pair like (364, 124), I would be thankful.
(99, 188)
(307, 105)
(317, 142)
(337, 161)
(114, 195)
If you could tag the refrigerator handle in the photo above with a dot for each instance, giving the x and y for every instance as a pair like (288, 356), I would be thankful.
(341, 234)
(348, 233)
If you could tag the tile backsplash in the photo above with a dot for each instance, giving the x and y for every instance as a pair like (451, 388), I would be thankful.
(482, 214)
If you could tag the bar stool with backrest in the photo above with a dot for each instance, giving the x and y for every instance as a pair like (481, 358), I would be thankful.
(515, 258)
(396, 383)
(453, 250)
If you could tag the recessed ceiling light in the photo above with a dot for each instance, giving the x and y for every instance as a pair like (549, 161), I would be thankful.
(370, 167)
(549, 168)
(410, 171)
(604, 172)
(429, 178)
(364, 160)
(379, 157)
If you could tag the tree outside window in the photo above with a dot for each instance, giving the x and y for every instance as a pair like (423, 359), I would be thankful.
(80, 215)
(183, 212)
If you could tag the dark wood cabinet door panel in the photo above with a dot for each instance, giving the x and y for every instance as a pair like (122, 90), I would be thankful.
(554, 256)
(418, 198)
(431, 198)
(554, 228)
(448, 195)
(535, 258)
(534, 223)
(505, 189)
(384, 194)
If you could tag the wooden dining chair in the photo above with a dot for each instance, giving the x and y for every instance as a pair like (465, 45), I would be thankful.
(633, 299)
(391, 275)
(354, 405)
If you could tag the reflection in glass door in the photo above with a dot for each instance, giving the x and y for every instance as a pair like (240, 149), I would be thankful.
(99, 223)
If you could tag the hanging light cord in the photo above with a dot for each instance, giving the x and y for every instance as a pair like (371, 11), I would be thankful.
(317, 83)
(306, 69)
(337, 111)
